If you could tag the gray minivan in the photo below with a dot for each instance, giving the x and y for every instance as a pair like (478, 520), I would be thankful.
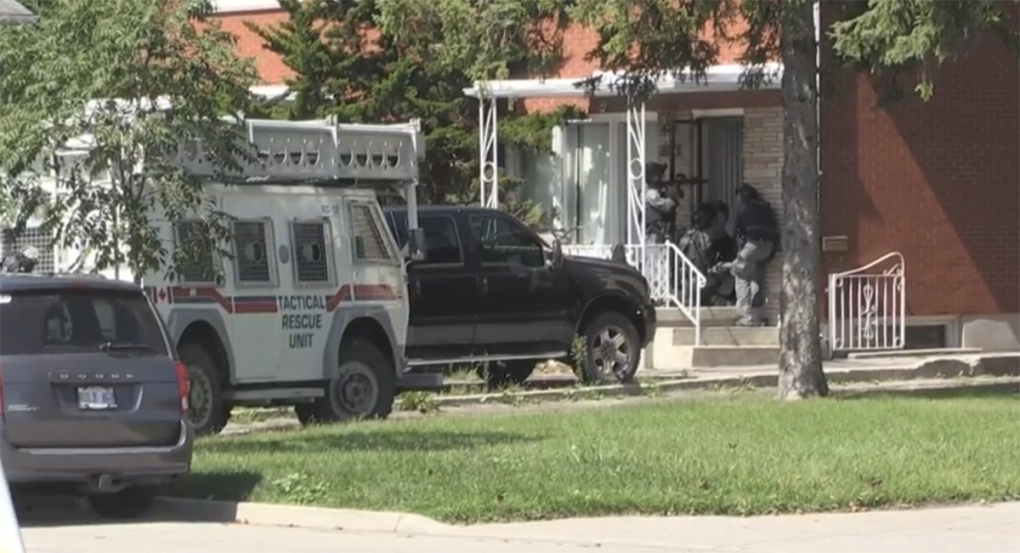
(92, 399)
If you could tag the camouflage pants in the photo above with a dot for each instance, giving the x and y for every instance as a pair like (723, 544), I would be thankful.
(748, 271)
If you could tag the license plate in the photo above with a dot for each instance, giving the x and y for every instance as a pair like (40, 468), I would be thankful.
(96, 398)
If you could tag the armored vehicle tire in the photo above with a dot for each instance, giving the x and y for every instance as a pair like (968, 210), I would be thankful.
(206, 408)
(363, 386)
(131, 502)
(504, 373)
(612, 350)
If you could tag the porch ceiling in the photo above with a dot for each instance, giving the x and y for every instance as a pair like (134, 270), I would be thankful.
(717, 78)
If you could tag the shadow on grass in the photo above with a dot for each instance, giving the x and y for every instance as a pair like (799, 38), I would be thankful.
(991, 389)
(218, 485)
(384, 440)
(49, 509)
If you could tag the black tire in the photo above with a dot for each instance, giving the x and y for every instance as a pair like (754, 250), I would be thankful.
(208, 412)
(505, 373)
(596, 367)
(363, 386)
(131, 502)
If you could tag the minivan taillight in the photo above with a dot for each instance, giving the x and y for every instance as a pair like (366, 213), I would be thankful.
(182, 385)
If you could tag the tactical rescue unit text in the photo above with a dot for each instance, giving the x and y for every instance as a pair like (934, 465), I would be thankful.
(302, 314)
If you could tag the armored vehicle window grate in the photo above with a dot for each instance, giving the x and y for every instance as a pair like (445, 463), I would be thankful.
(311, 256)
(251, 252)
(369, 242)
(194, 256)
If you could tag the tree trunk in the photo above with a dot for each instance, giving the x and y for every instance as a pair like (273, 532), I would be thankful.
(800, 360)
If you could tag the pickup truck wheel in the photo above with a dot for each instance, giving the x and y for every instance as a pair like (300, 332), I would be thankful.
(208, 413)
(362, 388)
(613, 350)
(504, 373)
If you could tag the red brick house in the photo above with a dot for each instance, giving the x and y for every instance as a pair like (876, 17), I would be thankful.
(937, 183)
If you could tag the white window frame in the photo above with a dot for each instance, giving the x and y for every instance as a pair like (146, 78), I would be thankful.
(217, 263)
(377, 218)
(274, 274)
(327, 233)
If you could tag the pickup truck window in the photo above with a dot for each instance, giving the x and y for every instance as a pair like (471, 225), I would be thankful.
(505, 241)
(442, 243)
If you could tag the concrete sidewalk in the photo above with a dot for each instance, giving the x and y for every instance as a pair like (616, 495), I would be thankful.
(984, 529)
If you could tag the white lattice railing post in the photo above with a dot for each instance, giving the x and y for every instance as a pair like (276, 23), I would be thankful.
(636, 185)
(488, 149)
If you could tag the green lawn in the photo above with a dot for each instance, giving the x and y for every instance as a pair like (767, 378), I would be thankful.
(742, 455)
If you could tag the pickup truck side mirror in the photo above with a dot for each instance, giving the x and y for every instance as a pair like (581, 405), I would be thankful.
(416, 244)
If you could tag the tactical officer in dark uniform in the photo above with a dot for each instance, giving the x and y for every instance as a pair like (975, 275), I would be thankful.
(753, 223)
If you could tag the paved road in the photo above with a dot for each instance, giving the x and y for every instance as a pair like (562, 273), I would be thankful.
(991, 529)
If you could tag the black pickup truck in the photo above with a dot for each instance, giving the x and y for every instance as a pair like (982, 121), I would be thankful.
(491, 292)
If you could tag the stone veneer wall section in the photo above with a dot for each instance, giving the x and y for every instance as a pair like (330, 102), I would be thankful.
(763, 168)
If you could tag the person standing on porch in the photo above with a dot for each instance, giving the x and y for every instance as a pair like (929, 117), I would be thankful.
(660, 209)
(753, 223)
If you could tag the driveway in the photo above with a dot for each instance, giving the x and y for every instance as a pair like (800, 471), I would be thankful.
(988, 529)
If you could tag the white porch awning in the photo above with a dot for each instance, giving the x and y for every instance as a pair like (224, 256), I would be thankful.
(717, 78)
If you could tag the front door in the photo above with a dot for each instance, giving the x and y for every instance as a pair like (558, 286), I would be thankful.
(524, 308)
(442, 293)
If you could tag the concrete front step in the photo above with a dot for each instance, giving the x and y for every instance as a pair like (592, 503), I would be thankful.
(727, 336)
(723, 356)
(672, 317)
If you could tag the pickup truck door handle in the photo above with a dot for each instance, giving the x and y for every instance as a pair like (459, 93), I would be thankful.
(483, 285)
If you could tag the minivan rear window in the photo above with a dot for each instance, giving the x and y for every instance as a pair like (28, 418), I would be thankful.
(55, 322)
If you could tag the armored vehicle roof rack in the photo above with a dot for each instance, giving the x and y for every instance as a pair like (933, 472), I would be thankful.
(320, 151)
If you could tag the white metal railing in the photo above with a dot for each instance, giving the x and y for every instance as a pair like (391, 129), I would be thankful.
(672, 278)
(867, 306)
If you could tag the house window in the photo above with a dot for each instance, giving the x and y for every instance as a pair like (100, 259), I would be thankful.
(312, 245)
(370, 243)
(253, 252)
(193, 259)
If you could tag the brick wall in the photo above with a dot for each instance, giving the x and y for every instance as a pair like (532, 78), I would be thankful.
(763, 168)
(271, 69)
(937, 181)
